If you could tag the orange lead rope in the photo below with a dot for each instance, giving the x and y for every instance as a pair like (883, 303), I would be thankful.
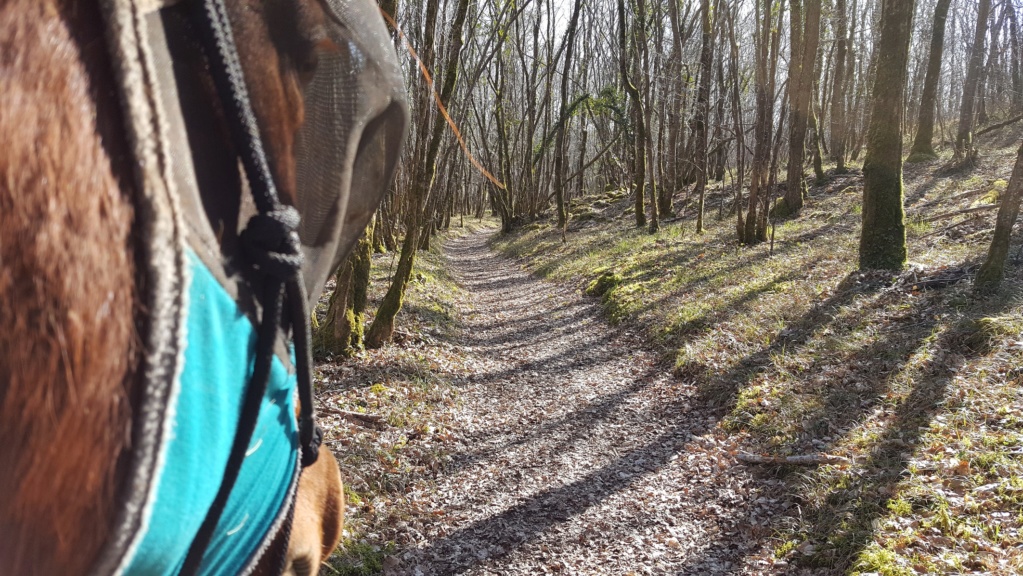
(440, 105)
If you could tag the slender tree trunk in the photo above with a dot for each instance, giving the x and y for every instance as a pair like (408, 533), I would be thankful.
(883, 237)
(804, 42)
(703, 108)
(1015, 72)
(753, 230)
(923, 147)
(964, 135)
(993, 270)
(639, 140)
(559, 147)
(383, 323)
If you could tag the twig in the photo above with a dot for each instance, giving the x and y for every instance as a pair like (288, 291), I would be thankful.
(958, 212)
(956, 225)
(802, 459)
(374, 420)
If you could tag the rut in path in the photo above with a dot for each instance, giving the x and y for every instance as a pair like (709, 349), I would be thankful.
(578, 452)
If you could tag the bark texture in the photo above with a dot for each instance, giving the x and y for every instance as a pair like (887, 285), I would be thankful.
(922, 144)
(964, 134)
(993, 270)
(806, 34)
(883, 237)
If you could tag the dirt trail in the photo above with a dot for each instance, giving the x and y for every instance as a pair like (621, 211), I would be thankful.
(577, 453)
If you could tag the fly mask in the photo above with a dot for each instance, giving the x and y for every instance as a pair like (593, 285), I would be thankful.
(215, 442)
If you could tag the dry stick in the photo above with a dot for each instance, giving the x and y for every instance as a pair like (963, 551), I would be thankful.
(374, 420)
(802, 459)
(956, 225)
(953, 197)
(958, 212)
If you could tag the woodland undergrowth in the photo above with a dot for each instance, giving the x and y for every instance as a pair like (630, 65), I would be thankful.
(908, 377)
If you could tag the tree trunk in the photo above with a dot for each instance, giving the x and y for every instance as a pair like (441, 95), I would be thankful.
(752, 229)
(883, 236)
(964, 135)
(993, 270)
(703, 108)
(1015, 72)
(839, 85)
(341, 333)
(383, 323)
(805, 38)
(639, 138)
(923, 143)
(559, 147)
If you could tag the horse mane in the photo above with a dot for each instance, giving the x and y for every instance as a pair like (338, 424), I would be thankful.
(68, 338)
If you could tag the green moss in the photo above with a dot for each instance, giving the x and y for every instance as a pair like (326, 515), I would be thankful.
(881, 561)
(883, 233)
(781, 209)
(604, 283)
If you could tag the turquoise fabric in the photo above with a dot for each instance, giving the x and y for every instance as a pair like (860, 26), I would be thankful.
(218, 364)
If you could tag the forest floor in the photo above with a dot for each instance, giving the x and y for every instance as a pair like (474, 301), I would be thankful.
(554, 443)
(594, 406)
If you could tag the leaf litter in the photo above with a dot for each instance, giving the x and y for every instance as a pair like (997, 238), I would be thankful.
(529, 436)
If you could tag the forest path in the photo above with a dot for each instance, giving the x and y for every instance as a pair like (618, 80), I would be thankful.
(577, 453)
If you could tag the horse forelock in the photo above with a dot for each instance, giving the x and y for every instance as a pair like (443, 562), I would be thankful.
(67, 293)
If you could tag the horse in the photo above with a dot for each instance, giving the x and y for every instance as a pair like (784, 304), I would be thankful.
(76, 271)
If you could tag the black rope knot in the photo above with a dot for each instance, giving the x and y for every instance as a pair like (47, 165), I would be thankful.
(270, 242)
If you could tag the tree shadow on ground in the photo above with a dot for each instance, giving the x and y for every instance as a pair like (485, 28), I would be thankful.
(501, 534)
(892, 367)
(841, 523)
(601, 409)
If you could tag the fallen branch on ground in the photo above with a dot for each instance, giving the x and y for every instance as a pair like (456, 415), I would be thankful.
(374, 420)
(801, 459)
(987, 129)
(958, 212)
(953, 197)
(956, 225)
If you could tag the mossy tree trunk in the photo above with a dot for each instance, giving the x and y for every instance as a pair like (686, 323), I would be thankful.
(993, 270)
(382, 328)
(341, 333)
(883, 236)
(333, 336)
(923, 143)
(964, 135)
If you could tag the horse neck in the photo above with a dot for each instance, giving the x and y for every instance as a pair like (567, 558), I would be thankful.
(68, 314)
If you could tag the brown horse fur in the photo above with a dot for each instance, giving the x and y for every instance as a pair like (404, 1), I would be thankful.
(67, 289)
(69, 319)
(319, 516)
